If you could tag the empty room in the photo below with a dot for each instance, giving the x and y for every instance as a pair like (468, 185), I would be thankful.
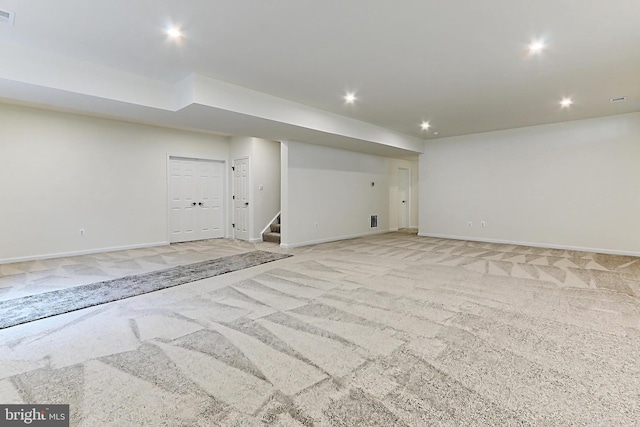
(292, 213)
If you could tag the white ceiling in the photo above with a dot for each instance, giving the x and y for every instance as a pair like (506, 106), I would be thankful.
(463, 65)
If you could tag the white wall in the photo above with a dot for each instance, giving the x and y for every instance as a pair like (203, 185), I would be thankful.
(327, 193)
(264, 170)
(569, 185)
(61, 172)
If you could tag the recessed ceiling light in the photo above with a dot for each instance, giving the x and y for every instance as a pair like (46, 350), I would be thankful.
(536, 46)
(566, 102)
(425, 125)
(174, 33)
(350, 98)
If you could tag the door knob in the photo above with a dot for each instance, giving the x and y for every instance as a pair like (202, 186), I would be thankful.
(193, 204)
(246, 203)
(200, 204)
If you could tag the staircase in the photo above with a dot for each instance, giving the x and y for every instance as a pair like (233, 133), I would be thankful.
(274, 234)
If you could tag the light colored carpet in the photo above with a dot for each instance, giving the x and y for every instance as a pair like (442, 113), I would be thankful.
(34, 307)
(392, 329)
(35, 277)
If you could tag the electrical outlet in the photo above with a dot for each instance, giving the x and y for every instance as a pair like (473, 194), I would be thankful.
(470, 224)
(315, 224)
(483, 223)
(82, 232)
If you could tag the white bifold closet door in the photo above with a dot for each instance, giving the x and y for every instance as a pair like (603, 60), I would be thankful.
(196, 199)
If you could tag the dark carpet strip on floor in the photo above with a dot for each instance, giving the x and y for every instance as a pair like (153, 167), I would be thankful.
(34, 307)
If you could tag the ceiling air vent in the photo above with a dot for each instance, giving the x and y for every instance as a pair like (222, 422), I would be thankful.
(7, 17)
(618, 99)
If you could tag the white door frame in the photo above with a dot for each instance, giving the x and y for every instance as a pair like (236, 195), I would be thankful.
(402, 173)
(224, 188)
(249, 197)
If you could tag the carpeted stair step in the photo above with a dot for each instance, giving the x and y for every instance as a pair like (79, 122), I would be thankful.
(271, 237)
(275, 228)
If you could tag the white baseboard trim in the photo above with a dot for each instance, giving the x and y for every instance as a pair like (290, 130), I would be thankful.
(255, 240)
(332, 239)
(535, 245)
(83, 252)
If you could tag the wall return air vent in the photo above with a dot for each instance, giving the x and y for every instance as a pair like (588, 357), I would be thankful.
(7, 17)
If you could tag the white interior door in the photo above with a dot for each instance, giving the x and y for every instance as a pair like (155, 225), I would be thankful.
(404, 195)
(210, 201)
(241, 199)
(195, 199)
